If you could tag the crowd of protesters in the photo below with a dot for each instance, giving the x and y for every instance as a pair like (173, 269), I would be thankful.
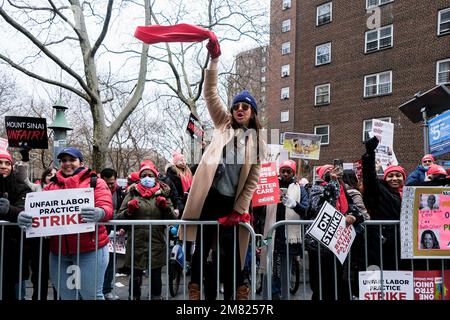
(218, 190)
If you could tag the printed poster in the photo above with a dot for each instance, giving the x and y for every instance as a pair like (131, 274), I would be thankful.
(429, 285)
(391, 285)
(57, 212)
(384, 131)
(302, 145)
(268, 188)
(330, 230)
(425, 223)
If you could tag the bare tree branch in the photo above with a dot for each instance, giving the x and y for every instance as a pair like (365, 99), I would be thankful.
(38, 77)
(104, 29)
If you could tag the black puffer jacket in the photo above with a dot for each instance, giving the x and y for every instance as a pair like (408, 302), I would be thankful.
(382, 203)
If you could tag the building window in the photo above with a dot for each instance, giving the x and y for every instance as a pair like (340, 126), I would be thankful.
(324, 14)
(443, 72)
(263, 79)
(263, 69)
(323, 131)
(263, 99)
(285, 70)
(284, 116)
(284, 93)
(444, 22)
(263, 89)
(286, 48)
(323, 54)
(286, 4)
(379, 39)
(376, 3)
(263, 59)
(286, 25)
(367, 126)
(263, 49)
(378, 84)
(322, 95)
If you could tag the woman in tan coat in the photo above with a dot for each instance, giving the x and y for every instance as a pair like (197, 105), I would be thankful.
(223, 186)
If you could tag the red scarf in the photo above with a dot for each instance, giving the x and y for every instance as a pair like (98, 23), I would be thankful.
(147, 192)
(342, 203)
(186, 178)
(178, 33)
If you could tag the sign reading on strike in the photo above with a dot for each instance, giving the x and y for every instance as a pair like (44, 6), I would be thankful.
(25, 131)
(268, 188)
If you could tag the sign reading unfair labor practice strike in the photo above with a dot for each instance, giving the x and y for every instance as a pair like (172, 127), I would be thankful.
(57, 212)
(393, 285)
(268, 188)
(330, 230)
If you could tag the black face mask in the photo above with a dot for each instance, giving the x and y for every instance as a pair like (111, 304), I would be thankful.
(327, 176)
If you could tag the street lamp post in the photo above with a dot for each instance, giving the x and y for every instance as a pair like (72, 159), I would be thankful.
(60, 127)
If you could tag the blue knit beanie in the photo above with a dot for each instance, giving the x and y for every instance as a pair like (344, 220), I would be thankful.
(246, 97)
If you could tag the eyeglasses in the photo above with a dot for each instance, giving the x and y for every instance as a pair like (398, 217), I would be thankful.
(427, 161)
(243, 106)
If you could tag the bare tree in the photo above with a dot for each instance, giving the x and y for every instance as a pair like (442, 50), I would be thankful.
(59, 32)
(51, 26)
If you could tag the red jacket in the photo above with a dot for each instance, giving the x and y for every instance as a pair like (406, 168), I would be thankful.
(102, 199)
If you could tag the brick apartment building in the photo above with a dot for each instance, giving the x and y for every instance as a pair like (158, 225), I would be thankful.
(330, 74)
(251, 75)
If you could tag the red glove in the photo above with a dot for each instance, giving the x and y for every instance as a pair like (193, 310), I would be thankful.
(162, 202)
(133, 206)
(234, 218)
(213, 46)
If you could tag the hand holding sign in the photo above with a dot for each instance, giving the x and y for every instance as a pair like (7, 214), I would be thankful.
(24, 220)
(92, 214)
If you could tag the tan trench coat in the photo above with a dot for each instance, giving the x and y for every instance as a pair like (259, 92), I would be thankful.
(204, 175)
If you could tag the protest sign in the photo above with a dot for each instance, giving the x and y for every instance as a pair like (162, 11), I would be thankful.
(384, 131)
(116, 243)
(391, 285)
(302, 145)
(429, 285)
(268, 188)
(424, 223)
(194, 128)
(57, 212)
(26, 131)
(330, 230)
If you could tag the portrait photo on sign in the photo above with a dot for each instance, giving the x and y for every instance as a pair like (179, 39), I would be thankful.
(429, 239)
(429, 202)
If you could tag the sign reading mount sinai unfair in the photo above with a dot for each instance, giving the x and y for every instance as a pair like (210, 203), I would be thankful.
(26, 131)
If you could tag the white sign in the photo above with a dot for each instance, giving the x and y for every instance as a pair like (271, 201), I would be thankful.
(396, 285)
(117, 242)
(57, 212)
(384, 131)
(330, 230)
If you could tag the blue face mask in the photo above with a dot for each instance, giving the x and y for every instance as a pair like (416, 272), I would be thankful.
(426, 167)
(148, 182)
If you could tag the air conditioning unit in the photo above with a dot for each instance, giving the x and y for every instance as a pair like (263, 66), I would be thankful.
(284, 74)
(285, 97)
(286, 5)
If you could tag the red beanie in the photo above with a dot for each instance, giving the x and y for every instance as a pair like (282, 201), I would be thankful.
(177, 157)
(289, 164)
(148, 165)
(6, 155)
(394, 168)
(324, 169)
(428, 157)
(134, 176)
(436, 169)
